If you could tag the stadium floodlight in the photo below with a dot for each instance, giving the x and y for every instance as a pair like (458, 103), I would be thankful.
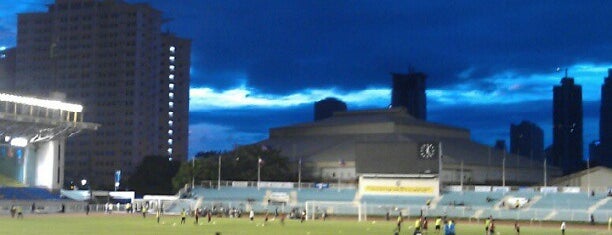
(7, 138)
(19, 142)
(50, 104)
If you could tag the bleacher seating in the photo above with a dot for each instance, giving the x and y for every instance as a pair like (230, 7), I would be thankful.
(229, 194)
(470, 199)
(565, 201)
(312, 194)
(25, 193)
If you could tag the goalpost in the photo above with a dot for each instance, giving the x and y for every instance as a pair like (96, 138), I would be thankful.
(315, 209)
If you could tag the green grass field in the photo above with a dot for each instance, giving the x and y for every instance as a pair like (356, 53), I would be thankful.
(134, 224)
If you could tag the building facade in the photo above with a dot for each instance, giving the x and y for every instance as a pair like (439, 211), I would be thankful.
(527, 139)
(7, 69)
(408, 91)
(111, 57)
(567, 126)
(605, 122)
(390, 141)
(325, 108)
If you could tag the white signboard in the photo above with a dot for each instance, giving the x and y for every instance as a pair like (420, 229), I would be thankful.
(501, 189)
(454, 188)
(482, 189)
(549, 189)
(269, 184)
(570, 189)
(240, 184)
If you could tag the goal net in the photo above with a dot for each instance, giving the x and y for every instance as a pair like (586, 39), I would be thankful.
(319, 209)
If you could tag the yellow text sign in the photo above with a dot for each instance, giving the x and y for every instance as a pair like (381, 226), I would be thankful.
(399, 189)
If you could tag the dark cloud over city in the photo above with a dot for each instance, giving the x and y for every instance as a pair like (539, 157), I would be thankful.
(261, 64)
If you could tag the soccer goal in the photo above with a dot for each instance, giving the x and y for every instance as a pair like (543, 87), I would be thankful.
(320, 209)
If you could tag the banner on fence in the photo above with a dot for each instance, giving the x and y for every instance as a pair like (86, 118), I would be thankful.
(570, 189)
(454, 188)
(270, 184)
(549, 189)
(501, 189)
(482, 188)
(240, 184)
(398, 189)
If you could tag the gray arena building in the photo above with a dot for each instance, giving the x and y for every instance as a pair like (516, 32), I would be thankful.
(391, 142)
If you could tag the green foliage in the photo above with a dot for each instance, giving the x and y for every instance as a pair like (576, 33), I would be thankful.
(154, 176)
(239, 164)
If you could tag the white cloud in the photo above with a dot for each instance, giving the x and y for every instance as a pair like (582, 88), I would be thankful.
(509, 87)
(506, 87)
(205, 98)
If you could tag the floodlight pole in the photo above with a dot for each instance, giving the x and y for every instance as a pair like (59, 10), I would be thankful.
(219, 175)
(258, 172)
(545, 178)
(589, 176)
(193, 172)
(504, 169)
(461, 180)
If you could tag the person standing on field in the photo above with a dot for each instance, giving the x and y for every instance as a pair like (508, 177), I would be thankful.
(438, 223)
(563, 228)
(183, 216)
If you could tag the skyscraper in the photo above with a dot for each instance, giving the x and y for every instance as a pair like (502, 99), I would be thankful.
(567, 126)
(325, 108)
(409, 91)
(605, 121)
(111, 57)
(7, 69)
(527, 139)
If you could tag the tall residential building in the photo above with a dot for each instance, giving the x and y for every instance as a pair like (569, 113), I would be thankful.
(409, 91)
(527, 139)
(500, 145)
(7, 69)
(605, 121)
(567, 126)
(325, 108)
(111, 57)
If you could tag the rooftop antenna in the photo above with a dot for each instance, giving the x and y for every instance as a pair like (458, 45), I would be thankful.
(559, 69)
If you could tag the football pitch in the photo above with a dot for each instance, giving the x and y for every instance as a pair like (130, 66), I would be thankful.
(134, 224)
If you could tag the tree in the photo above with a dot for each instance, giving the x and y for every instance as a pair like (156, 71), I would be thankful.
(154, 176)
(238, 164)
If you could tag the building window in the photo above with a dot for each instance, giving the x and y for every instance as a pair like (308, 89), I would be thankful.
(170, 141)
(171, 114)
(172, 58)
(169, 150)
(171, 86)
(170, 123)
(171, 67)
(170, 132)
(172, 49)
(171, 104)
(171, 95)
(171, 77)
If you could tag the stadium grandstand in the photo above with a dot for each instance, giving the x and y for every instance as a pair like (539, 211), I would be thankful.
(386, 162)
(33, 132)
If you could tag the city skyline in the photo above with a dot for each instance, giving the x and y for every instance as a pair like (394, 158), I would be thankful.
(260, 65)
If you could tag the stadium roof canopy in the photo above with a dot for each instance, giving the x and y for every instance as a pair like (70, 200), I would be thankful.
(33, 120)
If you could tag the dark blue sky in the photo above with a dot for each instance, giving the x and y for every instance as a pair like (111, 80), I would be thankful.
(261, 64)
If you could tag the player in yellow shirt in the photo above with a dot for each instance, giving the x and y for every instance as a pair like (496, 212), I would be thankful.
(438, 223)
(417, 225)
